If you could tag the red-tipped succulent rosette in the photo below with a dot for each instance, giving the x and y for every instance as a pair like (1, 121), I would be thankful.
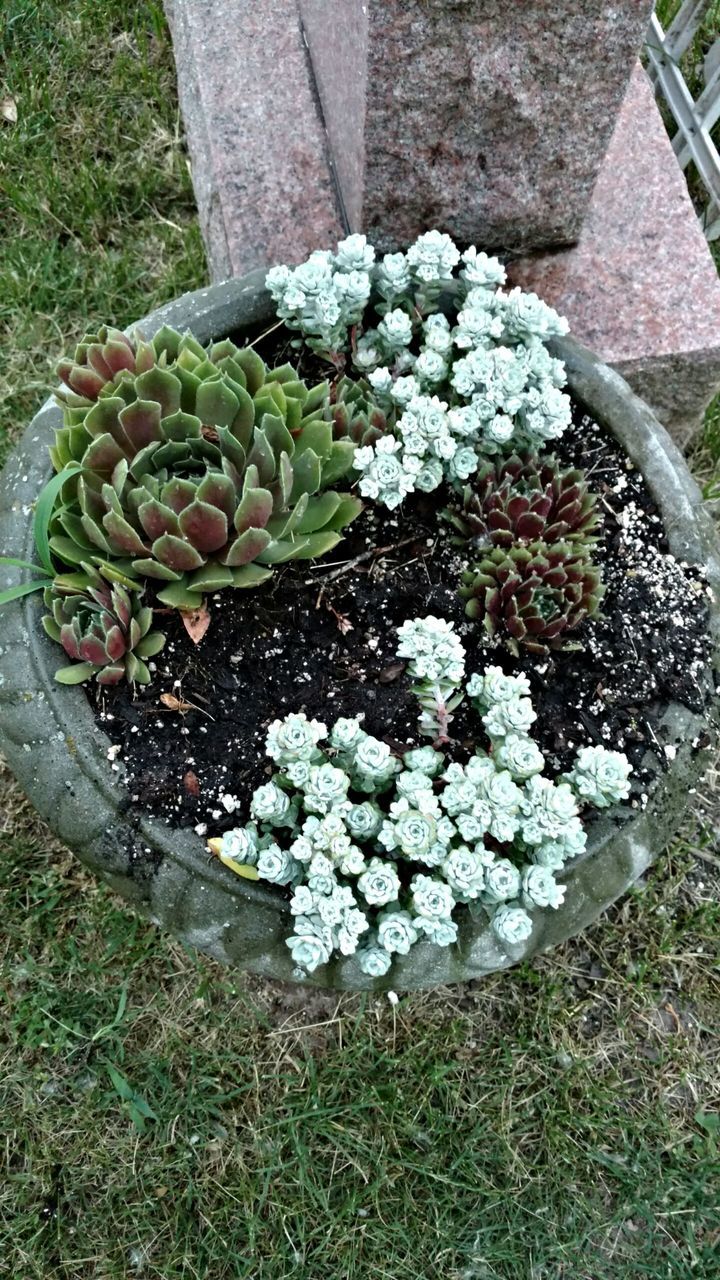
(533, 597)
(525, 499)
(202, 471)
(104, 629)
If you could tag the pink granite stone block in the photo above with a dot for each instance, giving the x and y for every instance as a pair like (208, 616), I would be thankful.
(484, 118)
(257, 144)
(640, 288)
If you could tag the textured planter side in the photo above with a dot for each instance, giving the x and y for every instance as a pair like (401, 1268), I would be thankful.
(54, 746)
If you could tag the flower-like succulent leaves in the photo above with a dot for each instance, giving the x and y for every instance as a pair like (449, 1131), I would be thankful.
(533, 596)
(105, 629)
(184, 357)
(99, 359)
(202, 473)
(524, 500)
(356, 415)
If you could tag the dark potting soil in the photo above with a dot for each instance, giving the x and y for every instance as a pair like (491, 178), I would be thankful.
(321, 637)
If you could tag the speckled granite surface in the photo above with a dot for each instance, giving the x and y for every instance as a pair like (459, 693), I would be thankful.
(640, 288)
(485, 118)
(262, 181)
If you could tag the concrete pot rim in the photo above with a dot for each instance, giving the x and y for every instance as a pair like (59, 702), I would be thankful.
(213, 312)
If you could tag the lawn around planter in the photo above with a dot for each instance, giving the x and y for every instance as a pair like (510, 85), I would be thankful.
(60, 753)
(171, 1115)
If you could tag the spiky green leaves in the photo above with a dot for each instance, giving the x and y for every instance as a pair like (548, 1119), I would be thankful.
(523, 500)
(532, 529)
(202, 470)
(102, 626)
(99, 359)
(356, 413)
(533, 596)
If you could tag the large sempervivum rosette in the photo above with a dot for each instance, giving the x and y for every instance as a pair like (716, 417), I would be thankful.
(102, 626)
(525, 499)
(533, 596)
(202, 472)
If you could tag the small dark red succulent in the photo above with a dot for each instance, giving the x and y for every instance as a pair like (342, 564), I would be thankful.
(523, 500)
(533, 596)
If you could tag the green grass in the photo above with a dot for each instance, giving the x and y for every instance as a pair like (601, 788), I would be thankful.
(96, 204)
(163, 1117)
(169, 1118)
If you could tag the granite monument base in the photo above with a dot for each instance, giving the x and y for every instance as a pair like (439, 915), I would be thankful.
(640, 287)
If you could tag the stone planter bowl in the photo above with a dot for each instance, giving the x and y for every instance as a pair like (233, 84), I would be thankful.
(59, 754)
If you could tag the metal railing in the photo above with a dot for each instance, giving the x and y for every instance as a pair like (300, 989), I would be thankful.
(694, 118)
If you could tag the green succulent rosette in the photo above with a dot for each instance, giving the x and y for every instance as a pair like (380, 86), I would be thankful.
(204, 470)
(103, 626)
(356, 415)
(533, 596)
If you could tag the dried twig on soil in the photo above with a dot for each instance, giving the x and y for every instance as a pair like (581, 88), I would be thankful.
(182, 705)
(372, 554)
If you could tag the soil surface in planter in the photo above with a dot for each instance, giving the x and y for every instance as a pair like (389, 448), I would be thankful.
(321, 637)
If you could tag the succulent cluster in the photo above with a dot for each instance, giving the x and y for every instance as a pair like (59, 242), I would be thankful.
(355, 414)
(466, 392)
(530, 530)
(525, 499)
(425, 450)
(326, 295)
(103, 626)
(452, 352)
(436, 665)
(533, 595)
(201, 469)
(380, 851)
